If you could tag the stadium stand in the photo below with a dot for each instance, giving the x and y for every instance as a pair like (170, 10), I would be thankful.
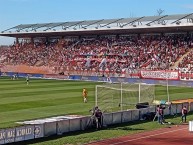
(152, 52)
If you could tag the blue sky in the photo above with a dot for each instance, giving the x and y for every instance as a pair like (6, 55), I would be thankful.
(15, 12)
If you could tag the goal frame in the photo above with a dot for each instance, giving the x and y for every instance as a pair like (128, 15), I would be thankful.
(121, 92)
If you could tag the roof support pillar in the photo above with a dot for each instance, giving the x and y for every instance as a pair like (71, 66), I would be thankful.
(117, 36)
(17, 40)
(32, 40)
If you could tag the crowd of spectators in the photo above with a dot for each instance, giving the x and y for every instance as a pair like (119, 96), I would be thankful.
(187, 62)
(106, 53)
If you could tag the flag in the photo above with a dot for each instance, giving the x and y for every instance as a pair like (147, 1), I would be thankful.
(88, 62)
(155, 58)
(103, 62)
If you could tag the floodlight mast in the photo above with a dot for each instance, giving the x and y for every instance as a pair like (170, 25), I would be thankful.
(96, 96)
(139, 93)
(167, 85)
(121, 96)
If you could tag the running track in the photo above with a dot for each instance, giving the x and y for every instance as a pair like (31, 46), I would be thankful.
(175, 135)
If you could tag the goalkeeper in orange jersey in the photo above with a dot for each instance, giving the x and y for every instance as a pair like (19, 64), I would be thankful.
(84, 94)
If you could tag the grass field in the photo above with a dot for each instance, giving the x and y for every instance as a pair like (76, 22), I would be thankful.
(46, 98)
(41, 98)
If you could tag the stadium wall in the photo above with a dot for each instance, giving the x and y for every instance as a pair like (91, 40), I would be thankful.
(50, 126)
(180, 82)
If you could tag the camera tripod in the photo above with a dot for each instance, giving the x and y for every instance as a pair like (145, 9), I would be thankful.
(91, 122)
(95, 122)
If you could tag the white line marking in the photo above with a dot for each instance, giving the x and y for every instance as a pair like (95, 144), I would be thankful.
(147, 136)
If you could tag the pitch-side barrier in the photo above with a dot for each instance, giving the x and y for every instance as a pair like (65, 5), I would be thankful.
(46, 127)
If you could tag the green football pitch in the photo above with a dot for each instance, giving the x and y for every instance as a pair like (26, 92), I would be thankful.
(48, 98)
(42, 98)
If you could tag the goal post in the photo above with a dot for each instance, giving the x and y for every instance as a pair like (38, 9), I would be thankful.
(123, 96)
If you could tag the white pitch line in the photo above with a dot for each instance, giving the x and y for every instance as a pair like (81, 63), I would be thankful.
(146, 136)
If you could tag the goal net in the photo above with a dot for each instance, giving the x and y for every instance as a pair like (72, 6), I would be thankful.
(117, 97)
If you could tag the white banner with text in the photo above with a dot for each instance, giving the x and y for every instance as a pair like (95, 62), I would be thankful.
(170, 75)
